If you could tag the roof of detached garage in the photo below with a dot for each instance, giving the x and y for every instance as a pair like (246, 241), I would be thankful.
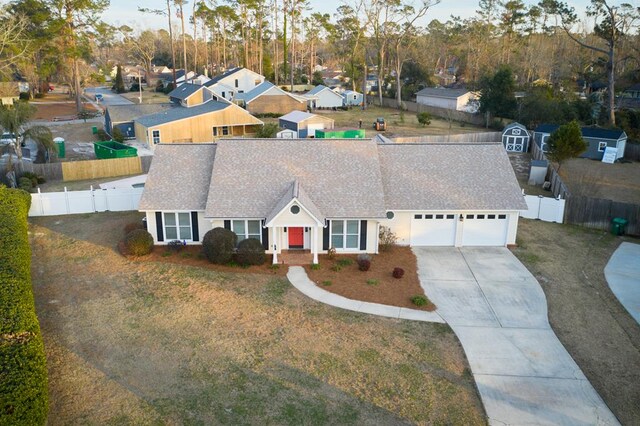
(449, 177)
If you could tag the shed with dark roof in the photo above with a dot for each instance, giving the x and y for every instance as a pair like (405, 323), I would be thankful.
(598, 139)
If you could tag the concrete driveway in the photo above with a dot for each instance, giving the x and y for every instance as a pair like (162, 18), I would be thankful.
(499, 312)
(623, 276)
(109, 98)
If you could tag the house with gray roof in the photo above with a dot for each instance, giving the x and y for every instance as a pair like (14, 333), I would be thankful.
(304, 194)
(269, 98)
(441, 97)
(321, 97)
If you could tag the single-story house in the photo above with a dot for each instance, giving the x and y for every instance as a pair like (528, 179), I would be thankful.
(352, 98)
(515, 137)
(632, 92)
(124, 116)
(305, 123)
(323, 97)
(234, 81)
(332, 193)
(597, 140)
(202, 123)
(441, 97)
(268, 98)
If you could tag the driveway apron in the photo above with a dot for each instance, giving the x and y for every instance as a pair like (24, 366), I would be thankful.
(499, 312)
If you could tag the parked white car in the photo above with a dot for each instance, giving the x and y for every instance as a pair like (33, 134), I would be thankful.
(7, 138)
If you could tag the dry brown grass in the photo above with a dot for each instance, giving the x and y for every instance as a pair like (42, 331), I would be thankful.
(149, 96)
(376, 285)
(148, 343)
(598, 332)
(618, 182)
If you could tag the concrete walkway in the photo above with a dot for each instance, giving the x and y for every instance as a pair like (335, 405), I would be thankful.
(623, 276)
(298, 277)
(499, 312)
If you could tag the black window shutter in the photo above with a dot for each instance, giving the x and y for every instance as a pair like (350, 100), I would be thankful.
(227, 225)
(159, 227)
(325, 237)
(194, 227)
(363, 235)
(265, 237)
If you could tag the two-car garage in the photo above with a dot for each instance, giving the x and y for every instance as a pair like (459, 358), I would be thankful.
(459, 229)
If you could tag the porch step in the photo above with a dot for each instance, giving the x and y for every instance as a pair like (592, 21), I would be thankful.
(295, 257)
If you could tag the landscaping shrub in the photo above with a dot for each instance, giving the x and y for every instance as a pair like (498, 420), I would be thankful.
(419, 300)
(218, 245)
(387, 239)
(268, 115)
(398, 272)
(364, 262)
(132, 227)
(118, 136)
(250, 252)
(269, 130)
(372, 281)
(336, 268)
(35, 179)
(175, 245)
(331, 253)
(23, 372)
(345, 262)
(138, 242)
(168, 89)
(102, 135)
(25, 184)
(315, 266)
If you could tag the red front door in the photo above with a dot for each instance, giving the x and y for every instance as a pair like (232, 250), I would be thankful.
(296, 237)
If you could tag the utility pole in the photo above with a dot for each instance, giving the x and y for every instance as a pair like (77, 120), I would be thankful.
(140, 85)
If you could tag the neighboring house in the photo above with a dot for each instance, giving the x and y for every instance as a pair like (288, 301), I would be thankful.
(515, 137)
(454, 99)
(181, 77)
(632, 92)
(234, 81)
(124, 116)
(322, 97)
(331, 193)
(597, 140)
(198, 116)
(9, 93)
(352, 98)
(268, 98)
(305, 124)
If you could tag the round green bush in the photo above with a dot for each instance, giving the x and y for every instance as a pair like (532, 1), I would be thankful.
(138, 242)
(250, 252)
(218, 245)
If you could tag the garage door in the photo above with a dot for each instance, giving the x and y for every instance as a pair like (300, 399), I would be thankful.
(311, 129)
(485, 230)
(433, 230)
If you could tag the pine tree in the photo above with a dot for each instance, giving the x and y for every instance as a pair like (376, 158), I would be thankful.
(119, 81)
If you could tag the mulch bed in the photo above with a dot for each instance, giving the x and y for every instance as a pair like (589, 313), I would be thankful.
(376, 285)
(192, 256)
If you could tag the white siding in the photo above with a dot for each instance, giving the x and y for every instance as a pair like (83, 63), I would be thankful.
(203, 226)
(328, 99)
(447, 103)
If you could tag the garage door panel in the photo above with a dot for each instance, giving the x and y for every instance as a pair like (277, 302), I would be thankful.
(485, 230)
(433, 230)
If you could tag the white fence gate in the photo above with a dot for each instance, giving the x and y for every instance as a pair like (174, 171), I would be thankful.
(544, 208)
(91, 201)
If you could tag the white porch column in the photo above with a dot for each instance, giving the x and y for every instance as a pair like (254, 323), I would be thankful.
(314, 244)
(275, 245)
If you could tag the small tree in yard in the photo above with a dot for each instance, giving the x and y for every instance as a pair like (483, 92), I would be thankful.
(424, 118)
(269, 130)
(387, 238)
(218, 245)
(119, 81)
(117, 135)
(566, 143)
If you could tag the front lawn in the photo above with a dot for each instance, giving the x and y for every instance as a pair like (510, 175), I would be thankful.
(342, 276)
(132, 342)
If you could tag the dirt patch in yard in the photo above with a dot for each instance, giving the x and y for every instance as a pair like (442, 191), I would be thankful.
(160, 343)
(49, 109)
(376, 285)
(598, 332)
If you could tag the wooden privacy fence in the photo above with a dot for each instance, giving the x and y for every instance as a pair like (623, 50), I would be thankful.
(89, 169)
(447, 114)
(632, 151)
(597, 213)
(481, 137)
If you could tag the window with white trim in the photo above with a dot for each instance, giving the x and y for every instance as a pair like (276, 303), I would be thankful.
(177, 226)
(345, 234)
(246, 229)
(602, 146)
(155, 136)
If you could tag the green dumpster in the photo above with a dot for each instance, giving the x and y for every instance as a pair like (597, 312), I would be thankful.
(618, 225)
(60, 146)
(94, 130)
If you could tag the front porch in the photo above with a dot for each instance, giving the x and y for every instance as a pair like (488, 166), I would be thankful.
(295, 245)
(295, 257)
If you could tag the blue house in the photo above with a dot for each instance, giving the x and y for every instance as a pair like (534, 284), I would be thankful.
(352, 98)
(597, 140)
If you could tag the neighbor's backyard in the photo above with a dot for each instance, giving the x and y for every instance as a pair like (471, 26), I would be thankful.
(152, 342)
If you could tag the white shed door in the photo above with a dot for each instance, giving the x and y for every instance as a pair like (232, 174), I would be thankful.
(433, 230)
(485, 230)
(311, 129)
(515, 144)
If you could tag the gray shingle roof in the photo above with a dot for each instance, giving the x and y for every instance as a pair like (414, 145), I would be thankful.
(340, 176)
(296, 116)
(295, 191)
(449, 177)
(319, 88)
(185, 90)
(180, 112)
(179, 177)
(217, 78)
(127, 113)
(442, 92)
(255, 92)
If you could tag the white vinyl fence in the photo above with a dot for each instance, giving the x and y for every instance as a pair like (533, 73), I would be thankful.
(544, 208)
(91, 201)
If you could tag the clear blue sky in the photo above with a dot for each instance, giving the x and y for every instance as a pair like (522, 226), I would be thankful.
(125, 12)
